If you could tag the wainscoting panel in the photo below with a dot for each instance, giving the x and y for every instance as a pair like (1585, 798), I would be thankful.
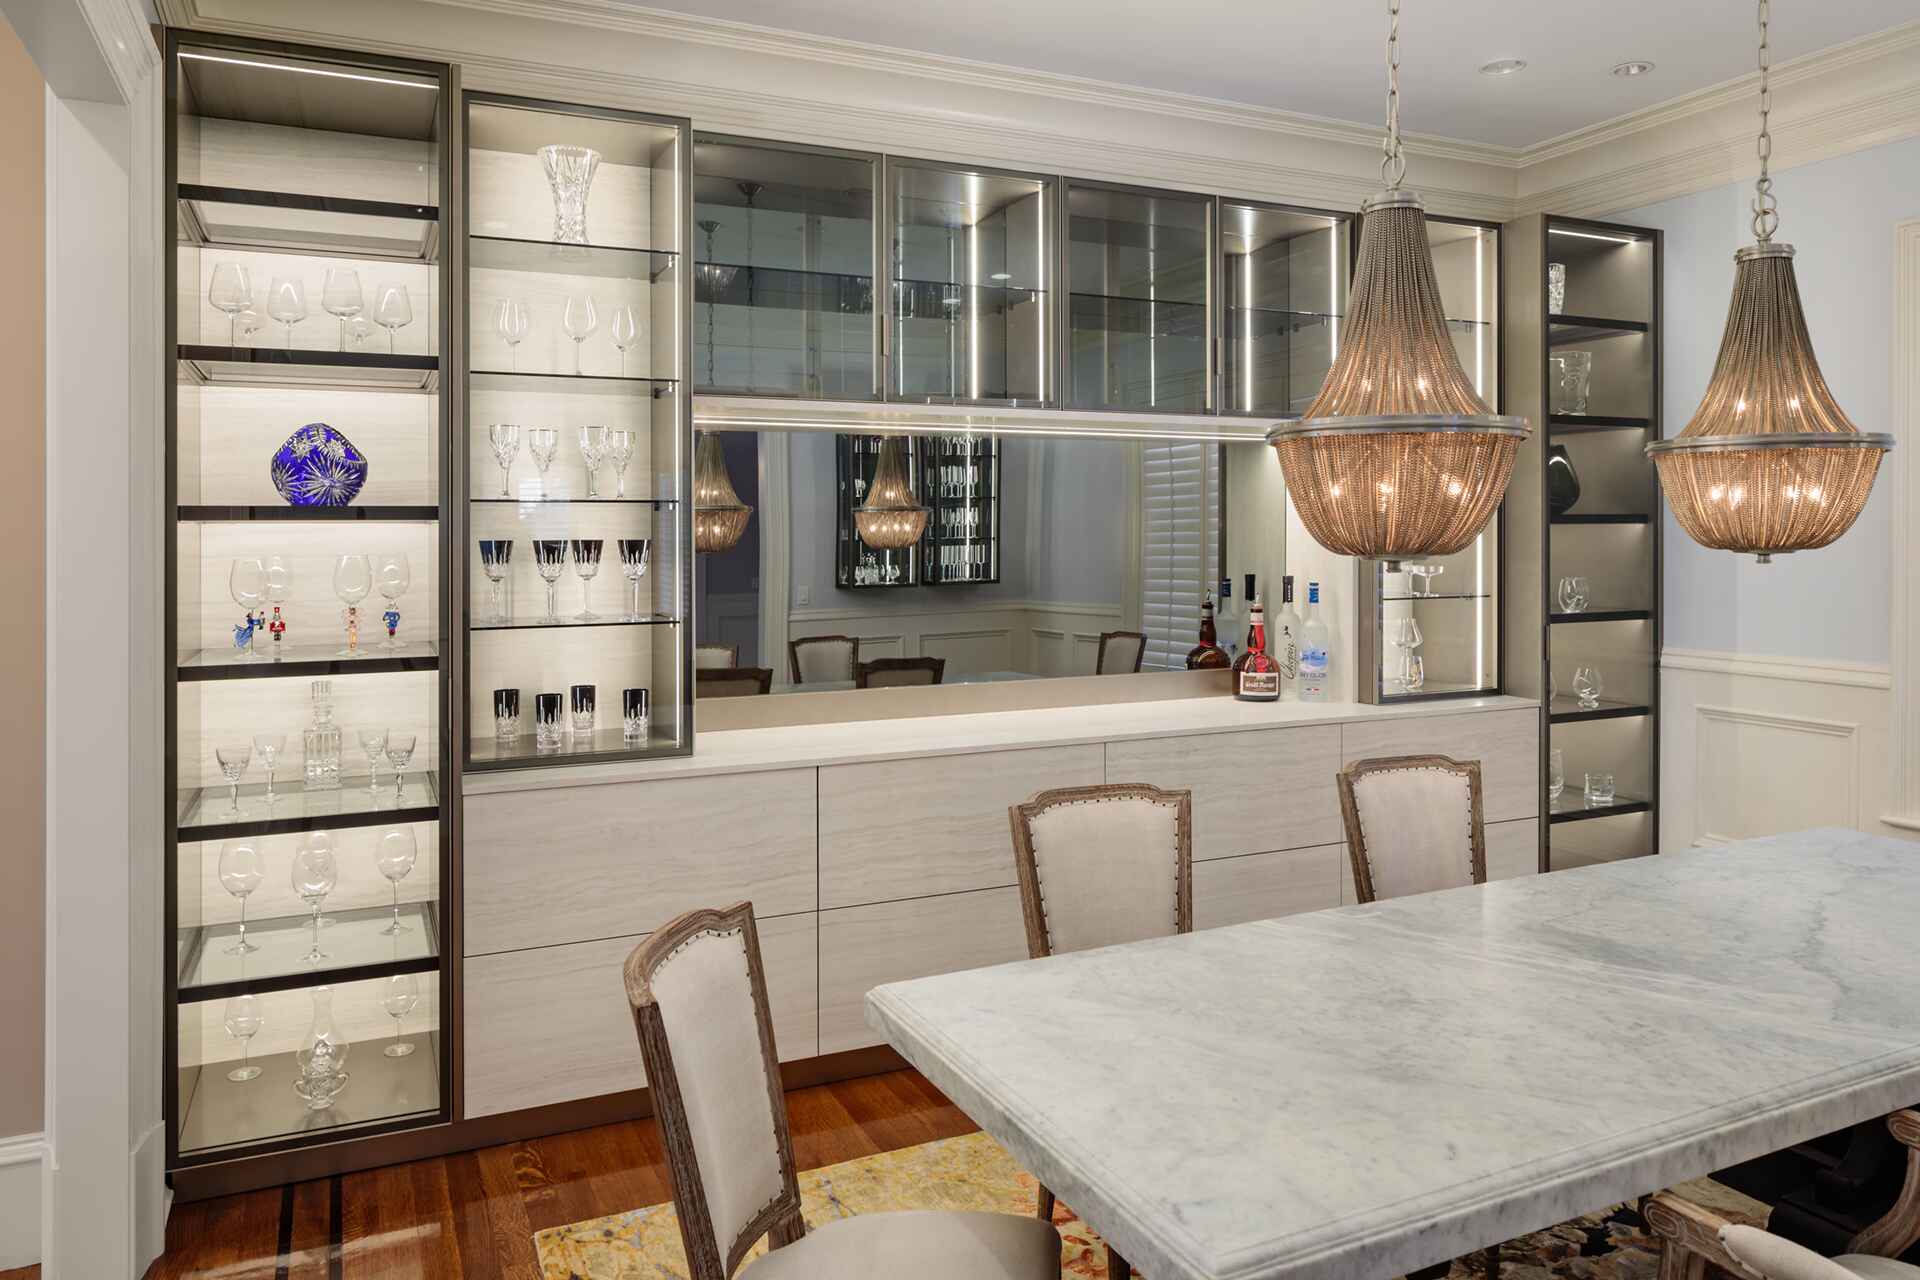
(1040, 637)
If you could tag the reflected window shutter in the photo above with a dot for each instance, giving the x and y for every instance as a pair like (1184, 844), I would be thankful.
(1180, 533)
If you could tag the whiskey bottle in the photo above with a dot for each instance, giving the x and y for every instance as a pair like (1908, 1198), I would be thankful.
(1256, 676)
(1285, 641)
(1207, 655)
(320, 742)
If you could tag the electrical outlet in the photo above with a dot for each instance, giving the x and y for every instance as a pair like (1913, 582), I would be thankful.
(803, 597)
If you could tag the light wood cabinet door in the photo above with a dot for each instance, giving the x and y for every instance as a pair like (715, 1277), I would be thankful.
(578, 863)
(1253, 792)
(1506, 743)
(863, 947)
(908, 828)
(553, 1024)
(1262, 886)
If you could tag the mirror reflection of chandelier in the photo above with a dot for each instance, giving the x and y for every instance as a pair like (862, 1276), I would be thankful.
(891, 518)
(719, 517)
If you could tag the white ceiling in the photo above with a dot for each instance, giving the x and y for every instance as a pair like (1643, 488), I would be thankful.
(1326, 57)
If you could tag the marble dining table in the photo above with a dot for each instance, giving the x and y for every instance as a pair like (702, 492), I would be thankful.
(1356, 1092)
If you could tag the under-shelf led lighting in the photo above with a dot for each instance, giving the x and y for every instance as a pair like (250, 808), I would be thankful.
(1246, 320)
(310, 71)
(1592, 235)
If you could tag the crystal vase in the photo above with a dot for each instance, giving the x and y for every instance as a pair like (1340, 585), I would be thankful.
(570, 173)
(322, 1056)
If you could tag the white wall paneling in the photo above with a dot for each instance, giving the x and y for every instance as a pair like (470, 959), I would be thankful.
(23, 1164)
(1252, 792)
(1904, 474)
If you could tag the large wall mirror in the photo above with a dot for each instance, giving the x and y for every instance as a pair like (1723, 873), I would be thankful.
(1036, 549)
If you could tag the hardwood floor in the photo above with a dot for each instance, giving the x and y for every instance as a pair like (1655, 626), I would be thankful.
(472, 1216)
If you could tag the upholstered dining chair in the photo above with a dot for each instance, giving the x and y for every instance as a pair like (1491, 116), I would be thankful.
(1413, 825)
(817, 659)
(1099, 866)
(1769, 1257)
(1120, 652)
(712, 657)
(698, 992)
(894, 673)
(732, 682)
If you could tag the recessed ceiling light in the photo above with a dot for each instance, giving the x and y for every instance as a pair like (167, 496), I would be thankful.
(1628, 70)
(1503, 66)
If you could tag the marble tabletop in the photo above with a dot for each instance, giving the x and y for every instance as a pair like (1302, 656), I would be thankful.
(1352, 1093)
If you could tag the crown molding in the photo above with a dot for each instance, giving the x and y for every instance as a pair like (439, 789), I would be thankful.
(120, 28)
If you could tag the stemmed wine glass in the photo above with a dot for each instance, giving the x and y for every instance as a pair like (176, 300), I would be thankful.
(251, 322)
(287, 303)
(231, 291)
(624, 329)
(550, 558)
(341, 298)
(352, 579)
(620, 446)
(580, 320)
(586, 563)
(268, 747)
(496, 560)
(392, 311)
(1588, 685)
(634, 554)
(374, 743)
(247, 583)
(279, 587)
(315, 873)
(394, 857)
(593, 451)
(241, 871)
(393, 575)
(243, 1022)
(399, 751)
(505, 439)
(359, 329)
(510, 322)
(402, 995)
(543, 443)
(233, 759)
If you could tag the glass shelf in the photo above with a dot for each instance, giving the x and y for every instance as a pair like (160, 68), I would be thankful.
(570, 383)
(1565, 331)
(608, 262)
(227, 515)
(204, 813)
(352, 940)
(604, 620)
(580, 502)
(1564, 422)
(1572, 806)
(490, 752)
(1602, 615)
(278, 367)
(294, 222)
(1441, 595)
(1566, 709)
(1623, 517)
(306, 660)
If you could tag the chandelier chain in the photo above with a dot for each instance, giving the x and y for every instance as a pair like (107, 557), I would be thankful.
(1766, 212)
(1393, 163)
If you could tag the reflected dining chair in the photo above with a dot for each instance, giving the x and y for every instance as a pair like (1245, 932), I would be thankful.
(732, 682)
(1120, 652)
(711, 657)
(1761, 1254)
(895, 673)
(698, 991)
(818, 659)
(1099, 866)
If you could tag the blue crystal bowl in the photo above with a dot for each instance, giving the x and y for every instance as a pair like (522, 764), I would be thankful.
(318, 467)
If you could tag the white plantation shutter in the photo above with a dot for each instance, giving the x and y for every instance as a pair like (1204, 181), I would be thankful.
(1180, 535)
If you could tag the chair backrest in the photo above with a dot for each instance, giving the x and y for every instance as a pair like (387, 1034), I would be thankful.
(1120, 652)
(699, 999)
(812, 659)
(1103, 865)
(891, 673)
(732, 682)
(711, 657)
(1413, 825)
(1771, 1257)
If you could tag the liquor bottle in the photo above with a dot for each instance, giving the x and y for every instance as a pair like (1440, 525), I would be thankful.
(320, 742)
(1256, 676)
(1250, 595)
(1284, 640)
(1315, 642)
(1207, 655)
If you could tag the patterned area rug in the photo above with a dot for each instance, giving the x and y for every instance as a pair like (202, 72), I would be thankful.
(972, 1172)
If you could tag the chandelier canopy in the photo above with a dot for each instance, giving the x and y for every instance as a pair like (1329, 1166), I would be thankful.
(719, 517)
(891, 518)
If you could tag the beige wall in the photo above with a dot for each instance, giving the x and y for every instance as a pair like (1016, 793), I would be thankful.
(23, 665)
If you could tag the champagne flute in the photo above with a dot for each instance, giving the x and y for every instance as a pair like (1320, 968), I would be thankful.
(393, 575)
(579, 320)
(510, 322)
(315, 872)
(231, 291)
(268, 747)
(243, 1022)
(620, 446)
(233, 759)
(352, 579)
(543, 444)
(394, 857)
(287, 303)
(341, 298)
(374, 743)
(624, 329)
(505, 439)
(399, 751)
(241, 871)
(402, 996)
(392, 311)
(247, 583)
(593, 451)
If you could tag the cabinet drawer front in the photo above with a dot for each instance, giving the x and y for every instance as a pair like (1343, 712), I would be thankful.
(580, 863)
(865, 947)
(1252, 792)
(553, 1025)
(1506, 743)
(909, 828)
(1261, 886)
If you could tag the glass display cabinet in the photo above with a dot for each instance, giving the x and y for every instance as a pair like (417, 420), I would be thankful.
(857, 566)
(1431, 629)
(785, 245)
(577, 434)
(1140, 289)
(1283, 290)
(309, 709)
(961, 476)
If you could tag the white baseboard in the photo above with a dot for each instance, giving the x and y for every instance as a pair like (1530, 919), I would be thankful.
(1858, 675)
(23, 1162)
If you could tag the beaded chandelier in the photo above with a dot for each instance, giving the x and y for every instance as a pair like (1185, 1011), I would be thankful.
(719, 517)
(1770, 463)
(891, 518)
(1398, 456)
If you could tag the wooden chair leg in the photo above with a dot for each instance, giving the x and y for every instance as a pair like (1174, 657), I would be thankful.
(1043, 1205)
(1689, 1238)
(1117, 1268)
(1493, 1263)
(1899, 1228)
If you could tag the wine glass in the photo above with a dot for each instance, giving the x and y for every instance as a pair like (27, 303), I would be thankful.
(392, 311)
(279, 587)
(231, 291)
(505, 439)
(496, 560)
(233, 759)
(634, 554)
(268, 747)
(247, 583)
(543, 443)
(243, 1022)
(580, 320)
(1573, 595)
(620, 447)
(250, 322)
(586, 563)
(315, 872)
(340, 297)
(624, 329)
(241, 870)
(402, 995)
(352, 579)
(359, 329)
(1556, 774)
(510, 322)
(394, 857)
(287, 303)
(393, 575)
(374, 743)
(1587, 684)
(593, 451)
(550, 559)
(399, 751)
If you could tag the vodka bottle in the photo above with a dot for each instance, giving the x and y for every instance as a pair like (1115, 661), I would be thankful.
(1283, 638)
(320, 742)
(1315, 642)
